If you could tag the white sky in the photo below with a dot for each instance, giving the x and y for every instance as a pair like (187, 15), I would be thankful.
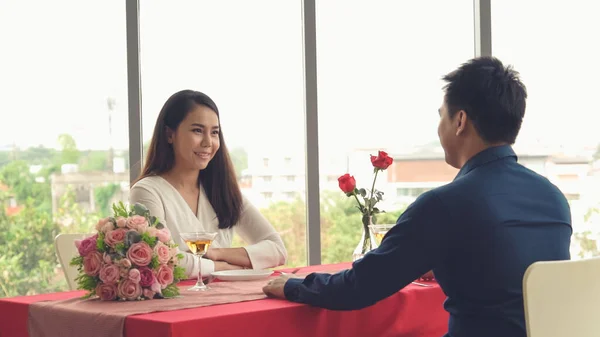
(379, 68)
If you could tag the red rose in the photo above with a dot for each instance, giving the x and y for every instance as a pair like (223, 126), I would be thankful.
(347, 183)
(382, 161)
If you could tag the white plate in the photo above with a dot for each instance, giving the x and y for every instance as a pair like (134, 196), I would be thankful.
(242, 274)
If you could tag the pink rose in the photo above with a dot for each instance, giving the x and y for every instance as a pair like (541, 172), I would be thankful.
(125, 263)
(149, 294)
(163, 235)
(129, 290)
(101, 224)
(164, 276)
(124, 272)
(140, 254)
(152, 231)
(106, 258)
(92, 263)
(162, 252)
(173, 253)
(137, 222)
(109, 274)
(107, 227)
(134, 275)
(106, 292)
(146, 277)
(87, 245)
(121, 222)
(115, 236)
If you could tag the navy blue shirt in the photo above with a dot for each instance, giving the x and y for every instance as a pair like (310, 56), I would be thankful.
(478, 234)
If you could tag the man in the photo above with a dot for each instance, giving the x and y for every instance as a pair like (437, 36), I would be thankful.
(478, 233)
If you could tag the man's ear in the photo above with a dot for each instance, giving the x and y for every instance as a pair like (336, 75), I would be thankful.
(460, 121)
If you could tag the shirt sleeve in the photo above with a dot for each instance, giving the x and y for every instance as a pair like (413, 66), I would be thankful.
(265, 247)
(144, 196)
(410, 249)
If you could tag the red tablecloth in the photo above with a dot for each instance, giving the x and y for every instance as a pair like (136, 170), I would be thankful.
(414, 311)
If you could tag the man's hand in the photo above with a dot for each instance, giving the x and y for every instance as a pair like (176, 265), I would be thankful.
(274, 287)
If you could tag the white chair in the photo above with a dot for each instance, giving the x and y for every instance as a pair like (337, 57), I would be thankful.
(65, 251)
(562, 298)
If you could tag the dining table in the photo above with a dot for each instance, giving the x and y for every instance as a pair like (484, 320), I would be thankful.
(414, 311)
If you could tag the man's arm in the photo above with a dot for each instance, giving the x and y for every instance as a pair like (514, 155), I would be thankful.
(414, 246)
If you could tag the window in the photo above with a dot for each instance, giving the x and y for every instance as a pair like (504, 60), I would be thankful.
(291, 178)
(240, 54)
(267, 179)
(64, 91)
(536, 51)
(379, 71)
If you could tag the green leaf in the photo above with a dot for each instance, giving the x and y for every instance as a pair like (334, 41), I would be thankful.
(160, 226)
(132, 237)
(154, 263)
(119, 209)
(120, 248)
(86, 282)
(140, 209)
(179, 273)
(180, 256)
(362, 192)
(151, 241)
(76, 261)
(115, 209)
(170, 291)
(100, 243)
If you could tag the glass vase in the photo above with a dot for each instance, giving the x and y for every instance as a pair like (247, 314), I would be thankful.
(367, 241)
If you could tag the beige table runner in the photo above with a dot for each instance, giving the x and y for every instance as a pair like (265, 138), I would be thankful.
(94, 318)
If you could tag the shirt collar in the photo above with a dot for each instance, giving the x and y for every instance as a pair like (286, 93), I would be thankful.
(488, 155)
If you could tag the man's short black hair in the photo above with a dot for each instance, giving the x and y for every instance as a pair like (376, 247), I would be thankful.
(491, 94)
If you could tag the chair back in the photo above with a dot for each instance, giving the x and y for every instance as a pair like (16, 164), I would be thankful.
(562, 298)
(65, 251)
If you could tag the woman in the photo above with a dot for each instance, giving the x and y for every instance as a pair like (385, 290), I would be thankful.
(189, 183)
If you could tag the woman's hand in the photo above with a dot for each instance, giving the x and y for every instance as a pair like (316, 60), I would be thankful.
(213, 254)
(235, 256)
(221, 265)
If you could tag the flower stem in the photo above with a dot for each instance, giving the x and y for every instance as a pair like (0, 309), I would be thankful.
(362, 208)
(370, 210)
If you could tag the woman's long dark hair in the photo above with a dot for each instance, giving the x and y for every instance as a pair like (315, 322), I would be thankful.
(218, 179)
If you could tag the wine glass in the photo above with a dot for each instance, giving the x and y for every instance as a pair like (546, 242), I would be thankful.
(379, 231)
(198, 243)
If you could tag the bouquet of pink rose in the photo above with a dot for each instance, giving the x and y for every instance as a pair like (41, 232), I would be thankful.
(131, 257)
